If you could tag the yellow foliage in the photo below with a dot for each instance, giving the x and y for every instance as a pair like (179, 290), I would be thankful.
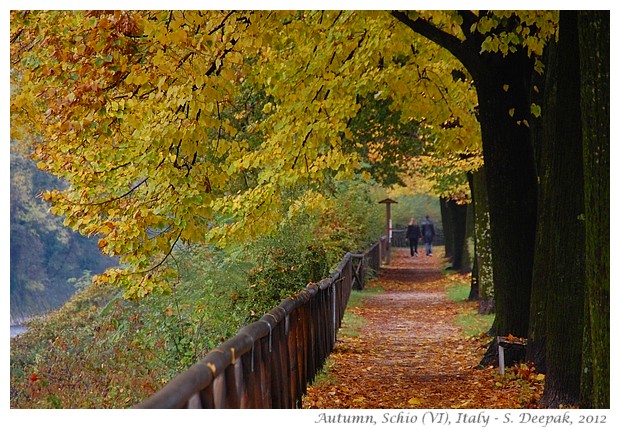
(147, 115)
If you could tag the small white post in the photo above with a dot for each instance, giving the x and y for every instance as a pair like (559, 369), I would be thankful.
(501, 357)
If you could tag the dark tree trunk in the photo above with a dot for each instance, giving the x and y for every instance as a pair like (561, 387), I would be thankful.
(446, 222)
(545, 141)
(474, 290)
(503, 88)
(594, 50)
(563, 201)
(511, 185)
(458, 216)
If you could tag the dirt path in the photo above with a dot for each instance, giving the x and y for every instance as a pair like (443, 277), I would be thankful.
(409, 353)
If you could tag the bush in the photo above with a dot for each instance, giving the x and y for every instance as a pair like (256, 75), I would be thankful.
(100, 351)
(284, 264)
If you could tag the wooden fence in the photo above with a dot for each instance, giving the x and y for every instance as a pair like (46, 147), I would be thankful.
(269, 363)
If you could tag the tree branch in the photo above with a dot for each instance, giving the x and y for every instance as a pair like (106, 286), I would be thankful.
(452, 43)
(469, 19)
(164, 259)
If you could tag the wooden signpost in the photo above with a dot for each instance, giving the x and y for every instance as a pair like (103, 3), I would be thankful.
(388, 216)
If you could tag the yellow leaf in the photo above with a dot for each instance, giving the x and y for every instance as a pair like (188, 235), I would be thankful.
(414, 401)
(511, 112)
(179, 36)
(101, 243)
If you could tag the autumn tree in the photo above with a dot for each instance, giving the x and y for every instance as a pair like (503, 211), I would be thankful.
(385, 143)
(498, 50)
(142, 113)
(46, 258)
(145, 115)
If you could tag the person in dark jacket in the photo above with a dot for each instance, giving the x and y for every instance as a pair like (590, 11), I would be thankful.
(413, 234)
(428, 234)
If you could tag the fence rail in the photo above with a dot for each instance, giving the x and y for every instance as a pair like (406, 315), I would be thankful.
(269, 363)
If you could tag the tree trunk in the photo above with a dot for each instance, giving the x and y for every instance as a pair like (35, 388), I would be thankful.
(474, 291)
(469, 239)
(446, 221)
(458, 216)
(543, 131)
(503, 88)
(594, 50)
(511, 185)
(564, 201)
(482, 233)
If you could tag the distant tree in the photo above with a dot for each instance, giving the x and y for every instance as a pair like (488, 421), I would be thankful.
(483, 272)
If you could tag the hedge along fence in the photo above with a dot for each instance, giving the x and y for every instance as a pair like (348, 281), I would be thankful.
(269, 363)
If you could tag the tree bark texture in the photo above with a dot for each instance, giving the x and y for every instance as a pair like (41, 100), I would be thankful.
(545, 145)
(468, 245)
(511, 186)
(482, 237)
(564, 201)
(594, 51)
(474, 290)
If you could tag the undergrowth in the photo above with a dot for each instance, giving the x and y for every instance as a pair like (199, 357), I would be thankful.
(102, 351)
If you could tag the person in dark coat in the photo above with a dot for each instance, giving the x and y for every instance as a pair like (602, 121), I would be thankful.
(413, 234)
(428, 234)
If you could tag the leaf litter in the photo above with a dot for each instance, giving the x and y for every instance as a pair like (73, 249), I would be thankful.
(409, 353)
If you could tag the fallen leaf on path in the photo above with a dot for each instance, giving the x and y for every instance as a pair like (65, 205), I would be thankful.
(414, 401)
(409, 343)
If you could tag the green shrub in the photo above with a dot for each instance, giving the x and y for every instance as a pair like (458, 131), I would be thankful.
(100, 351)
(284, 264)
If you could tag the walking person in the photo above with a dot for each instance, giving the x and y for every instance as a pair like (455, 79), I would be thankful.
(413, 234)
(428, 234)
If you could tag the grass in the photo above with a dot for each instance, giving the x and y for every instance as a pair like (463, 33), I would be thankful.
(325, 376)
(351, 322)
(468, 319)
(458, 292)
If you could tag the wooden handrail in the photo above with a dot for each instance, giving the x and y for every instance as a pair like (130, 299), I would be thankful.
(269, 363)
